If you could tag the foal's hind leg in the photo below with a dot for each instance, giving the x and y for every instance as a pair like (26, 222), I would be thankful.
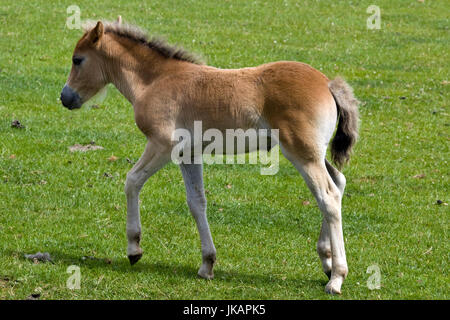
(153, 159)
(195, 196)
(324, 248)
(329, 198)
(324, 244)
(337, 176)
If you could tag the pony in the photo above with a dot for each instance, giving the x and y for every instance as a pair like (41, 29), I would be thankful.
(169, 88)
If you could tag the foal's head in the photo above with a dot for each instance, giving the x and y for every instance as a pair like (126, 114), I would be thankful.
(87, 76)
(93, 53)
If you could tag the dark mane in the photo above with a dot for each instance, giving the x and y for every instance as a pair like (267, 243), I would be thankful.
(155, 43)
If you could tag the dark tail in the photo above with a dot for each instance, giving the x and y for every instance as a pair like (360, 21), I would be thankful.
(347, 130)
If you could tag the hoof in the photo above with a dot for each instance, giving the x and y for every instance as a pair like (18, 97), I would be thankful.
(134, 258)
(333, 287)
(207, 276)
(206, 272)
(206, 269)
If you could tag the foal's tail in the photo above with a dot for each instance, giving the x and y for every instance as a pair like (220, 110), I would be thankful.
(347, 130)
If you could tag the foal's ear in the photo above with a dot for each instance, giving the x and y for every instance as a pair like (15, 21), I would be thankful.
(97, 32)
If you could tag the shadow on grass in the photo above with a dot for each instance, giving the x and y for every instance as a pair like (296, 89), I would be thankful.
(174, 270)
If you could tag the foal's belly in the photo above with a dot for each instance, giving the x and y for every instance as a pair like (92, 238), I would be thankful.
(239, 141)
(230, 133)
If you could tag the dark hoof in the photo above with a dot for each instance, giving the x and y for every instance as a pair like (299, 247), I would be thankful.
(207, 276)
(328, 274)
(135, 258)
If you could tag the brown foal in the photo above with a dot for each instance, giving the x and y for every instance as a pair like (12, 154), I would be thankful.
(170, 89)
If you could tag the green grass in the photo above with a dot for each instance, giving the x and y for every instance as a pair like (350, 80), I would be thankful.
(61, 202)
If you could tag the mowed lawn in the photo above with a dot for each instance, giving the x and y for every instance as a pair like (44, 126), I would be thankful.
(265, 228)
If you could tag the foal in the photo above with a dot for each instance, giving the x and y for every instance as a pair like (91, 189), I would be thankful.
(170, 89)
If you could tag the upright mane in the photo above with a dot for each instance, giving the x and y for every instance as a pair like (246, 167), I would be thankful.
(140, 36)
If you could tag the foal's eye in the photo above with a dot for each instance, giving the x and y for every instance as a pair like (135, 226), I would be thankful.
(77, 60)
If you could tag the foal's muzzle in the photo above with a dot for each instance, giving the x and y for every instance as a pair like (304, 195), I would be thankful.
(69, 98)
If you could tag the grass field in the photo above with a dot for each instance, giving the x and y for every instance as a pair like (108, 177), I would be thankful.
(72, 205)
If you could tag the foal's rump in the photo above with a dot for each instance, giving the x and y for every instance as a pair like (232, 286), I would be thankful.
(298, 101)
(304, 104)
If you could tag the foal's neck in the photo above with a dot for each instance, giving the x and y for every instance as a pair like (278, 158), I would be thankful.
(131, 67)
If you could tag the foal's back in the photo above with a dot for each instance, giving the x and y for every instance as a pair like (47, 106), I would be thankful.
(258, 97)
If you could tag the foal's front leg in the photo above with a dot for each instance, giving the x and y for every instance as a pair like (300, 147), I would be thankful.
(153, 159)
(195, 196)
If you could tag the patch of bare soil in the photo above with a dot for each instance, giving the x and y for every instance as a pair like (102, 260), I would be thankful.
(83, 148)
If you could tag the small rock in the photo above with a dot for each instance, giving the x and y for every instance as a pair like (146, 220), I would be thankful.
(439, 202)
(34, 296)
(16, 124)
(43, 257)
